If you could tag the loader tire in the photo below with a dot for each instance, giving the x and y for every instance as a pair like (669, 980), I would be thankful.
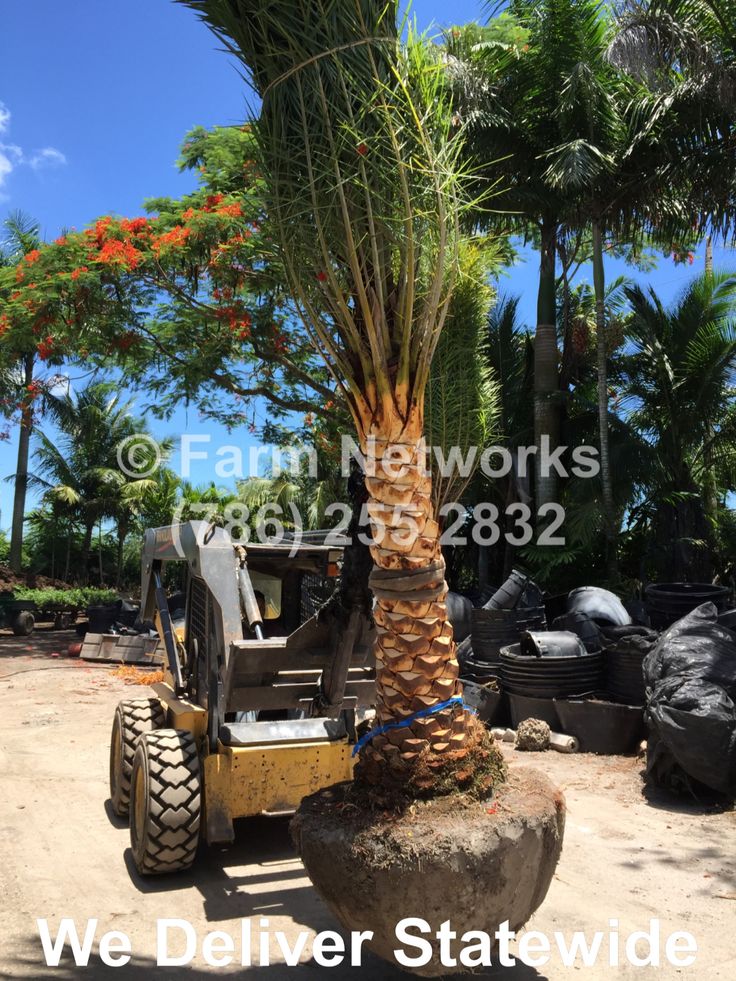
(133, 717)
(165, 802)
(23, 624)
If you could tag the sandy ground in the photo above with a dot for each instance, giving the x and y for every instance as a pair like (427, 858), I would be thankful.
(626, 855)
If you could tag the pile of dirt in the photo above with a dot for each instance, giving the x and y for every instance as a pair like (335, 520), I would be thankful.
(10, 581)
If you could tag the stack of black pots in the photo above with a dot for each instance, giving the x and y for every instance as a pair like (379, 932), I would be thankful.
(554, 664)
(670, 601)
(516, 607)
(626, 648)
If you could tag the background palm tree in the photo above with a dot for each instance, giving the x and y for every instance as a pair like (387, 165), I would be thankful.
(680, 389)
(528, 94)
(79, 471)
(21, 236)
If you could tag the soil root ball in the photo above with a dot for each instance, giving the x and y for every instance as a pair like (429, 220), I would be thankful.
(533, 735)
(474, 863)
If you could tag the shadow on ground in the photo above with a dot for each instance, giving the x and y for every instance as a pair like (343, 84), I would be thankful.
(226, 879)
(372, 969)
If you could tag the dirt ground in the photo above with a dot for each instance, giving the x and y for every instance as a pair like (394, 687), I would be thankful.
(626, 855)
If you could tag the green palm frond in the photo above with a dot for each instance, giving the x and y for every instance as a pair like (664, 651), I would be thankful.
(463, 400)
(363, 182)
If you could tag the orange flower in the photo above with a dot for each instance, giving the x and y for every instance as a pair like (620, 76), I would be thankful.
(76, 273)
(120, 253)
(125, 341)
(60, 241)
(230, 210)
(45, 348)
(134, 226)
(100, 230)
(33, 256)
(176, 237)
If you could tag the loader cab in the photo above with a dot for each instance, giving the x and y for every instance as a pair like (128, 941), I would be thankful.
(293, 584)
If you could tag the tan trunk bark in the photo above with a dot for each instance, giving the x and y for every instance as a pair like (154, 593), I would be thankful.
(415, 650)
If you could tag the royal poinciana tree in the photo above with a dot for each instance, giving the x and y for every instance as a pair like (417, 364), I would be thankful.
(364, 194)
(46, 304)
(188, 302)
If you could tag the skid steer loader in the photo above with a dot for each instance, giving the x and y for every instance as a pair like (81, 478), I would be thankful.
(260, 698)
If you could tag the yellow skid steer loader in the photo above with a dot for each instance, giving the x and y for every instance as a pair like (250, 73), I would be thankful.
(260, 698)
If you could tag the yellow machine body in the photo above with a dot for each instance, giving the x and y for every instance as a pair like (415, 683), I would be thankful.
(243, 781)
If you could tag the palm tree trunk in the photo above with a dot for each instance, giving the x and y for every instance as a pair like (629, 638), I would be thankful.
(415, 650)
(599, 284)
(68, 553)
(55, 527)
(709, 256)
(99, 548)
(86, 546)
(546, 357)
(122, 535)
(21, 470)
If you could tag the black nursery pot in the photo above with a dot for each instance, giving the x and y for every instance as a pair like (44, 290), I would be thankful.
(524, 707)
(101, 618)
(670, 601)
(485, 701)
(601, 727)
(551, 643)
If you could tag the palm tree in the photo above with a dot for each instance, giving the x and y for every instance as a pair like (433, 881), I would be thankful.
(683, 52)
(364, 189)
(22, 235)
(521, 89)
(680, 389)
(509, 352)
(80, 472)
(609, 149)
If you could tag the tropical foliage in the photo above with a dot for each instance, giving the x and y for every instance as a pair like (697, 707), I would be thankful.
(339, 262)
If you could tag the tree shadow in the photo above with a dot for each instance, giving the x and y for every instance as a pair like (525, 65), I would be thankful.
(143, 968)
(229, 892)
(43, 642)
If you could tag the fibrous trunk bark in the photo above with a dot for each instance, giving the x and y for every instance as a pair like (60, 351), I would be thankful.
(599, 284)
(415, 650)
(546, 357)
(21, 470)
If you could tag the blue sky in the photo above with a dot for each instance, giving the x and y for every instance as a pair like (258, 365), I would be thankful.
(99, 97)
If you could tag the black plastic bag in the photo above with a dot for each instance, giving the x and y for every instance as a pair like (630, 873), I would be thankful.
(690, 678)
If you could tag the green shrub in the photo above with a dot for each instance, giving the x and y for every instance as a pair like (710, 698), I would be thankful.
(70, 599)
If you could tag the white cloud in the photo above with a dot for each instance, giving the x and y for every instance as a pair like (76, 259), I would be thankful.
(48, 157)
(12, 156)
(6, 163)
